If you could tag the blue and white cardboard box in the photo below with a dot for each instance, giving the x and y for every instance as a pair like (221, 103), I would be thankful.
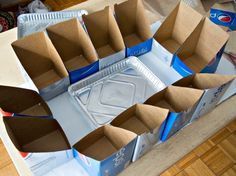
(22, 102)
(174, 30)
(106, 37)
(202, 51)
(106, 151)
(75, 49)
(41, 142)
(214, 86)
(43, 64)
(134, 27)
(224, 15)
(181, 103)
(147, 122)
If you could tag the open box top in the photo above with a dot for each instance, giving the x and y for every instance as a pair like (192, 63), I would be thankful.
(202, 45)
(104, 142)
(176, 99)
(31, 134)
(23, 101)
(204, 80)
(40, 59)
(178, 25)
(104, 32)
(141, 118)
(73, 44)
(133, 22)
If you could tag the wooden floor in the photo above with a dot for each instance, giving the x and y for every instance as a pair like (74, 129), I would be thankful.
(216, 156)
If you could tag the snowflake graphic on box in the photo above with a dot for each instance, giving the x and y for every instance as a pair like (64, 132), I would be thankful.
(119, 159)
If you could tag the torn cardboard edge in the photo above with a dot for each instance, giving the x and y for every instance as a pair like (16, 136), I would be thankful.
(134, 27)
(177, 26)
(147, 122)
(42, 63)
(23, 102)
(202, 50)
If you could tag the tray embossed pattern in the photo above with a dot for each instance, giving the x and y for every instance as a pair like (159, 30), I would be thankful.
(108, 92)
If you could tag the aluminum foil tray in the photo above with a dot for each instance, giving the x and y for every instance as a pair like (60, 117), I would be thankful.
(37, 22)
(110, 91)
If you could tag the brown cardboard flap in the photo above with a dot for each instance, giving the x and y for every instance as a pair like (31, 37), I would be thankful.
(202, 45)
(23, 101)
(133, 22)
(104, 141)
(30, 134)
(176, 99)
(177, 26)
(225, 6)
(204, 80)
(40, 59)
(141, 118)
(73, 44)
(104, 32)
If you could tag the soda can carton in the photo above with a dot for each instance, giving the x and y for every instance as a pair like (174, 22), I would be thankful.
(75, 49)
(106, 151)
(22, 102)
(105, 36)
(41, 141)
(134, 27)
(147, 122)
(181, 103)
(215, 86)
(224, 15)
(202, 51)
(174, 30)
(43, 64)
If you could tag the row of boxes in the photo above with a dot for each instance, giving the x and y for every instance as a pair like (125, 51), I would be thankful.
(185, 41)
(110, 148)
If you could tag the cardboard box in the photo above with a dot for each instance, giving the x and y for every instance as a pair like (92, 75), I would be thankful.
(41, 140)
(134, 27)
(214, 87)
(43, 64)
(202, 51)
(75, 48)
(106, 151)
(175, 29)
(147, 122)
(181, 102)
(105, 36)
(224, 15)
(20, 102)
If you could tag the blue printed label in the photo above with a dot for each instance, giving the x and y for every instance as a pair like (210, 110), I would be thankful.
(139, 49)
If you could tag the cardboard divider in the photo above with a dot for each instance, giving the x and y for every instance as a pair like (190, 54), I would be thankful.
(141, 118)
(202, 46)
(147, 122)
(204, 80)
(30, 134)
(104, 32)
(103, 142)
(176, 99)
(72, 44)
(23, 101)
(42, 62)
(134, 26)
(177, 26)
